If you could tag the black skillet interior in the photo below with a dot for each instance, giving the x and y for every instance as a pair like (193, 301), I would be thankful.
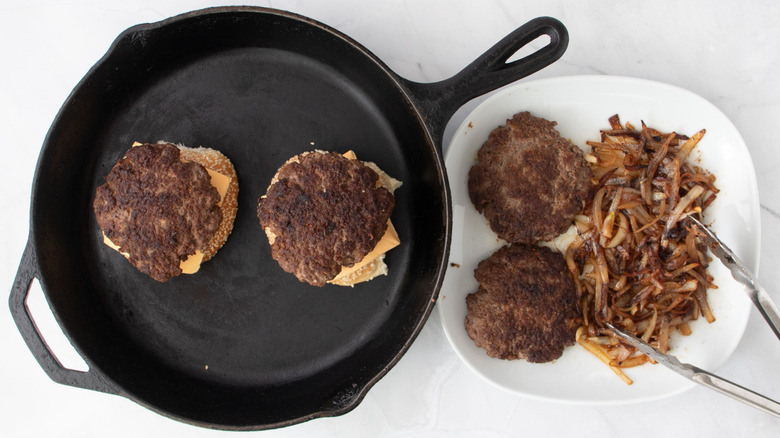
(241, 344)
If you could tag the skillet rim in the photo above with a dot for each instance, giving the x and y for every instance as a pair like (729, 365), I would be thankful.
(432, 146)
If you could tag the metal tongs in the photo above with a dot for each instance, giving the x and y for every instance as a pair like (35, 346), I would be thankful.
(757, 294)
(761, 300)
(700, 376)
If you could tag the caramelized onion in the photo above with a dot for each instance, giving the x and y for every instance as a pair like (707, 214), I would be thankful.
(634, 262)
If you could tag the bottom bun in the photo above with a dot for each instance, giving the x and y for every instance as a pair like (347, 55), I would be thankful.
(216, 161)
(375, 268)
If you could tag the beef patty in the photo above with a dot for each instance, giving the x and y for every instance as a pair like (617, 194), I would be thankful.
(529, 181)
(526, 306)
(157, 208)
(321, 212)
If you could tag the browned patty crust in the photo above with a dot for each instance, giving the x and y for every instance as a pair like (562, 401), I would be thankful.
(325, 211)
(529, 181)
(157, 208)
(526, 306)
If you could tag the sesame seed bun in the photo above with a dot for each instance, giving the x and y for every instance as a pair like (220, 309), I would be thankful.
(216, 161)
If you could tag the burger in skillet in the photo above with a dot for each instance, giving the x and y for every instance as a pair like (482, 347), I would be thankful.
(168, 208)
(327, 218)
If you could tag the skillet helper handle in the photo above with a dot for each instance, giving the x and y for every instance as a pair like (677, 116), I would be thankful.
(27, 272)
(490, 71)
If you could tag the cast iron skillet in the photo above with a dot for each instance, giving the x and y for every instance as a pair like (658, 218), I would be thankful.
(242, 344)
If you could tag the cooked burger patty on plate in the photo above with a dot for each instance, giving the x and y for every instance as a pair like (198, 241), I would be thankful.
(529, 182)
(526, 306)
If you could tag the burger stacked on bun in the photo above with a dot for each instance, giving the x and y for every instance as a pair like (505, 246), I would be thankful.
(168, 208)
(327, 218)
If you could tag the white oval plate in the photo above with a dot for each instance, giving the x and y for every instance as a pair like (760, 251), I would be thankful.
(581, 105)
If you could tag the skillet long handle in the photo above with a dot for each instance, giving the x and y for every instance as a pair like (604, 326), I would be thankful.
(490, 71)
(27, 272)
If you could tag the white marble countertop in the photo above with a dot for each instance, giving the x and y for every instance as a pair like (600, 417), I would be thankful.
(727, 52)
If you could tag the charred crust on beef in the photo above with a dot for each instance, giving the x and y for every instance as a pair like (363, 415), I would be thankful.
(529, 182)
(324, 211)
(157, 208)
(526, 306)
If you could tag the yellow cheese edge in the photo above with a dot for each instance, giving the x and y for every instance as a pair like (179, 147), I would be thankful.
(220, 182)
(192, 264)
(388, 241)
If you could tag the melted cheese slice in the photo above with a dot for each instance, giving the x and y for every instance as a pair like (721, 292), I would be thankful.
(192, 264)
(388, 241)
